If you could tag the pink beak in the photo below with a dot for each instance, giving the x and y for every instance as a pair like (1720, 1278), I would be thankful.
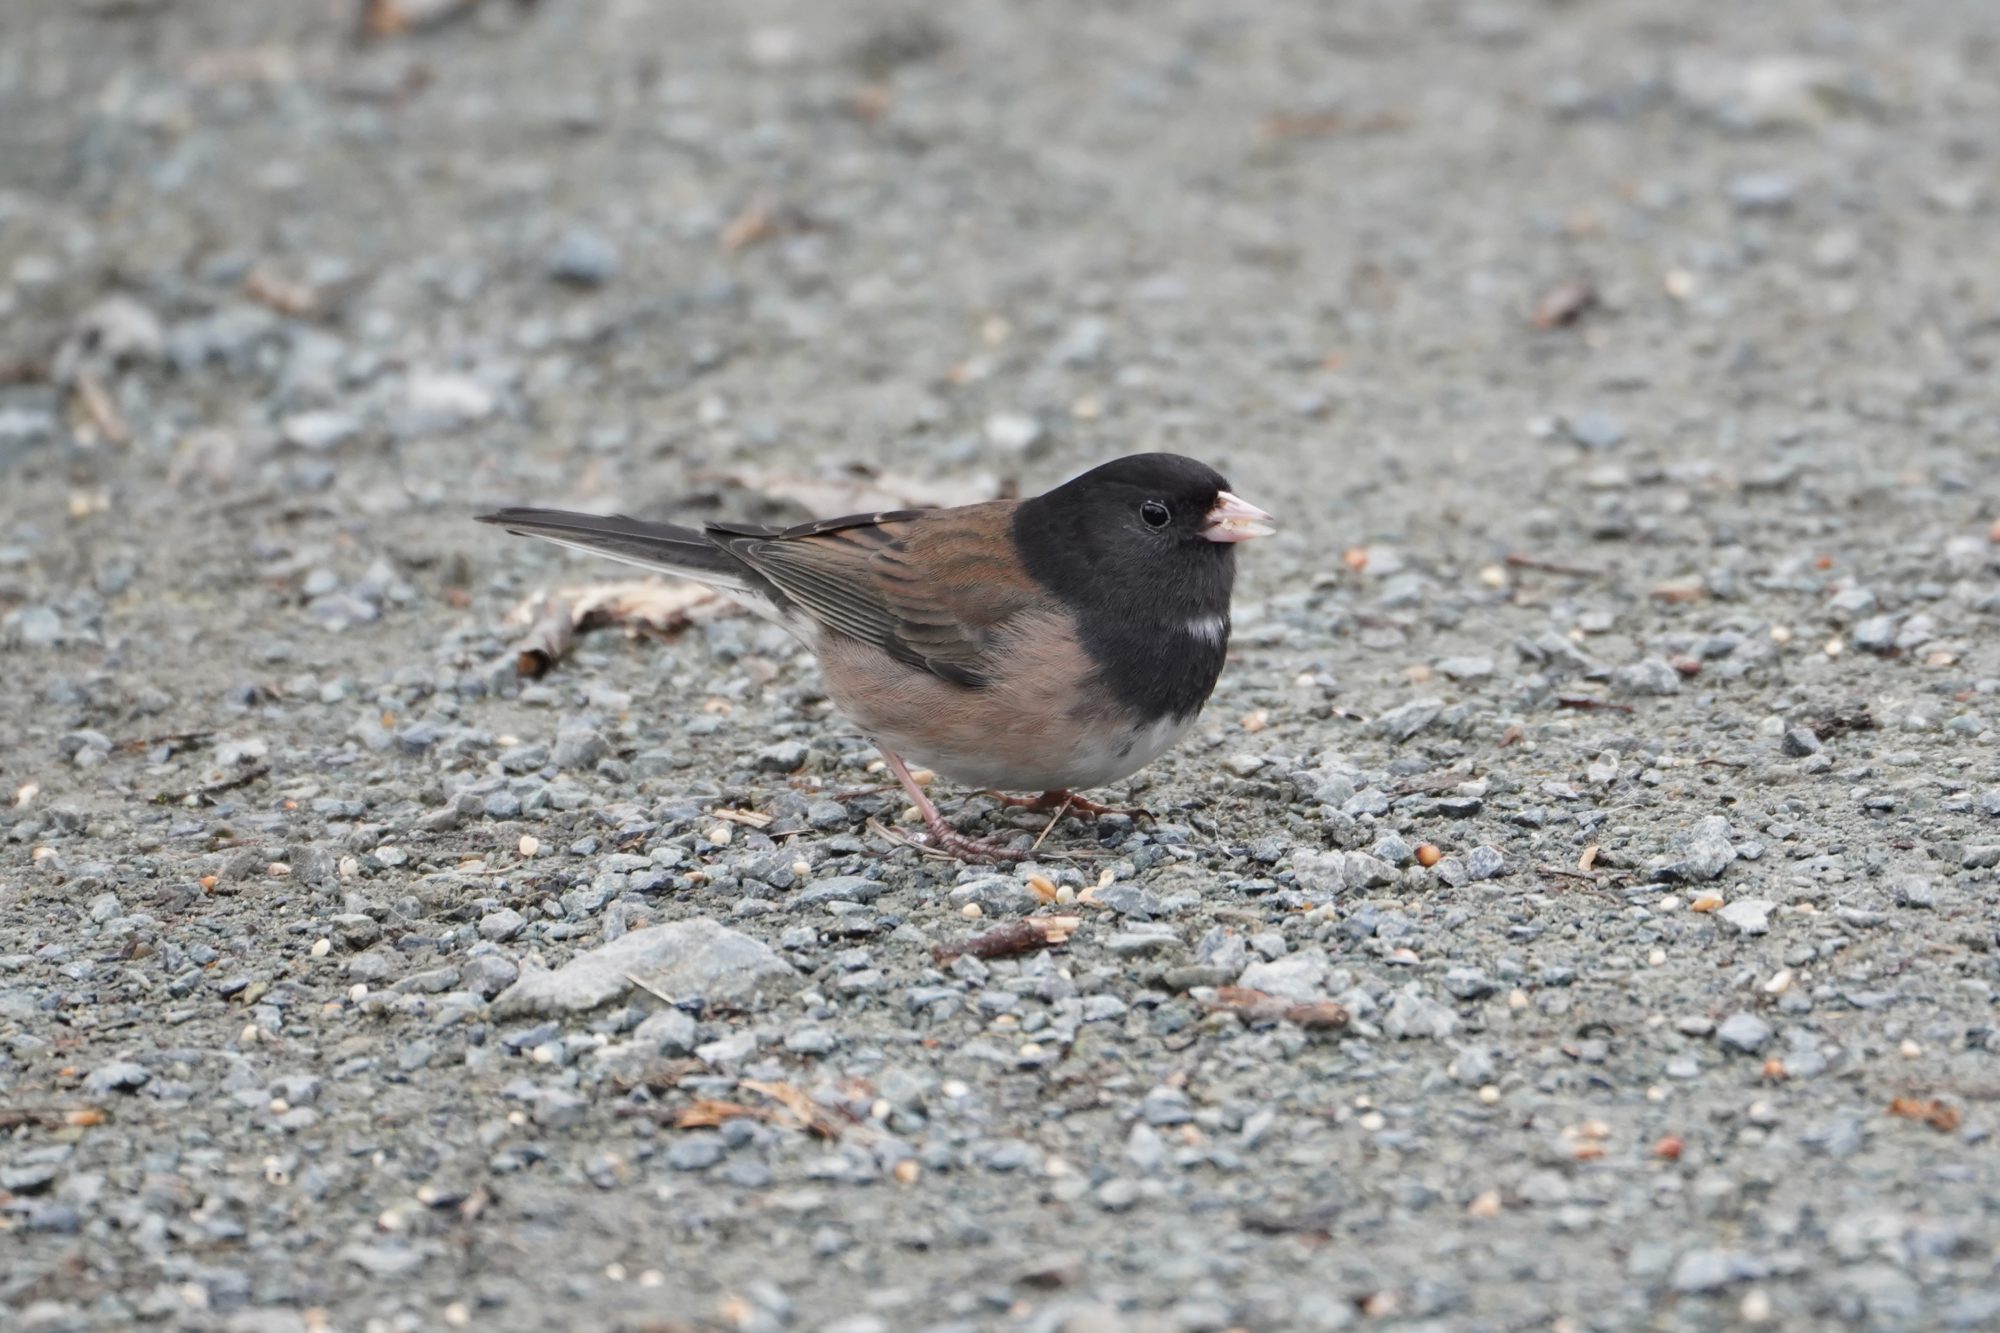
(1234, 520)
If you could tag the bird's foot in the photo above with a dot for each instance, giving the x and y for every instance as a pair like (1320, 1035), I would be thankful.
(1069, 803)
(944, 838)
(941, 836)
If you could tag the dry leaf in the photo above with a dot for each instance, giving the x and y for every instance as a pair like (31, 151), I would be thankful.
(390, 18)
(1564, 304)
(654, 606)
(280, 293)
(547, 641)
(1282, 125)
(707, 1113)
(808, 1113)
(747, 228)
(1938, 1114)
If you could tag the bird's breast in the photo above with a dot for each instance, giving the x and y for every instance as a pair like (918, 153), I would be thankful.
(1046, 719)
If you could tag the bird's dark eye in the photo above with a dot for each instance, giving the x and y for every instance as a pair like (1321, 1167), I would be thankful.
(1155, 514)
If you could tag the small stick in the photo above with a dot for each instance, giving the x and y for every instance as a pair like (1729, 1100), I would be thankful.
(1015, 937)
(1261, 1006)
(243, 779)
(141, 743)
(1585, 701)
(96, 403)
(650, 989)
(1054, 819)
(902, 839)
(50, 1117)
(1521, 560)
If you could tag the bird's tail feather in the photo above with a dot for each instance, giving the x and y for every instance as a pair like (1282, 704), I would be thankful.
(659, 546)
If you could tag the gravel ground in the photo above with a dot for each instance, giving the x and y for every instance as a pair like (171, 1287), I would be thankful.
(348, 980)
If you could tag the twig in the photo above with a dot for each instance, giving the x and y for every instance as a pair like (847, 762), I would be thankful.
(1426, 783)
(650, 989)
(747, 818)
(206, 790)
(1054, 819)
(50, 1117)
(100, 411)
(1596, 880)
(1261, 1006)
(1521, 560)
(1585, 701)
(905, 840)
(1015, 937)
(139, 744)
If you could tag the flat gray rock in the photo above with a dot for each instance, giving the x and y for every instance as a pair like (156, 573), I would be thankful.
(698, 957)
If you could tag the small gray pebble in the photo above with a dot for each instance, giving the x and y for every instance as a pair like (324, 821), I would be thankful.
(118, 1076)
(1743, 1032)
(784, 757)
(503, 924)
(583, 257)
(1799, 742)
(811, 1041)
(696, 1151)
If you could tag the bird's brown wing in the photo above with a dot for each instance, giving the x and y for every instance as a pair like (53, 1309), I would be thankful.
(936, 589)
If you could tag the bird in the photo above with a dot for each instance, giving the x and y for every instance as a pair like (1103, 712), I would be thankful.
(1043, 645)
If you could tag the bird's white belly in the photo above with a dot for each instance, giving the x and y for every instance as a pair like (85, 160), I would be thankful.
(1094, 758)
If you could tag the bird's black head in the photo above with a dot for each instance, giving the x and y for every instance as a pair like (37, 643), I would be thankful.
(1142, 551)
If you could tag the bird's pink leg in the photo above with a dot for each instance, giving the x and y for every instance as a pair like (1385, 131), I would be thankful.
(943, 836)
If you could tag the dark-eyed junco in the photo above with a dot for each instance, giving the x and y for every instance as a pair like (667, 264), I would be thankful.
(1035, 645)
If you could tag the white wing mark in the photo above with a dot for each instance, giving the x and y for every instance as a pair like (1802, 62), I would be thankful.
(1212, 628)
